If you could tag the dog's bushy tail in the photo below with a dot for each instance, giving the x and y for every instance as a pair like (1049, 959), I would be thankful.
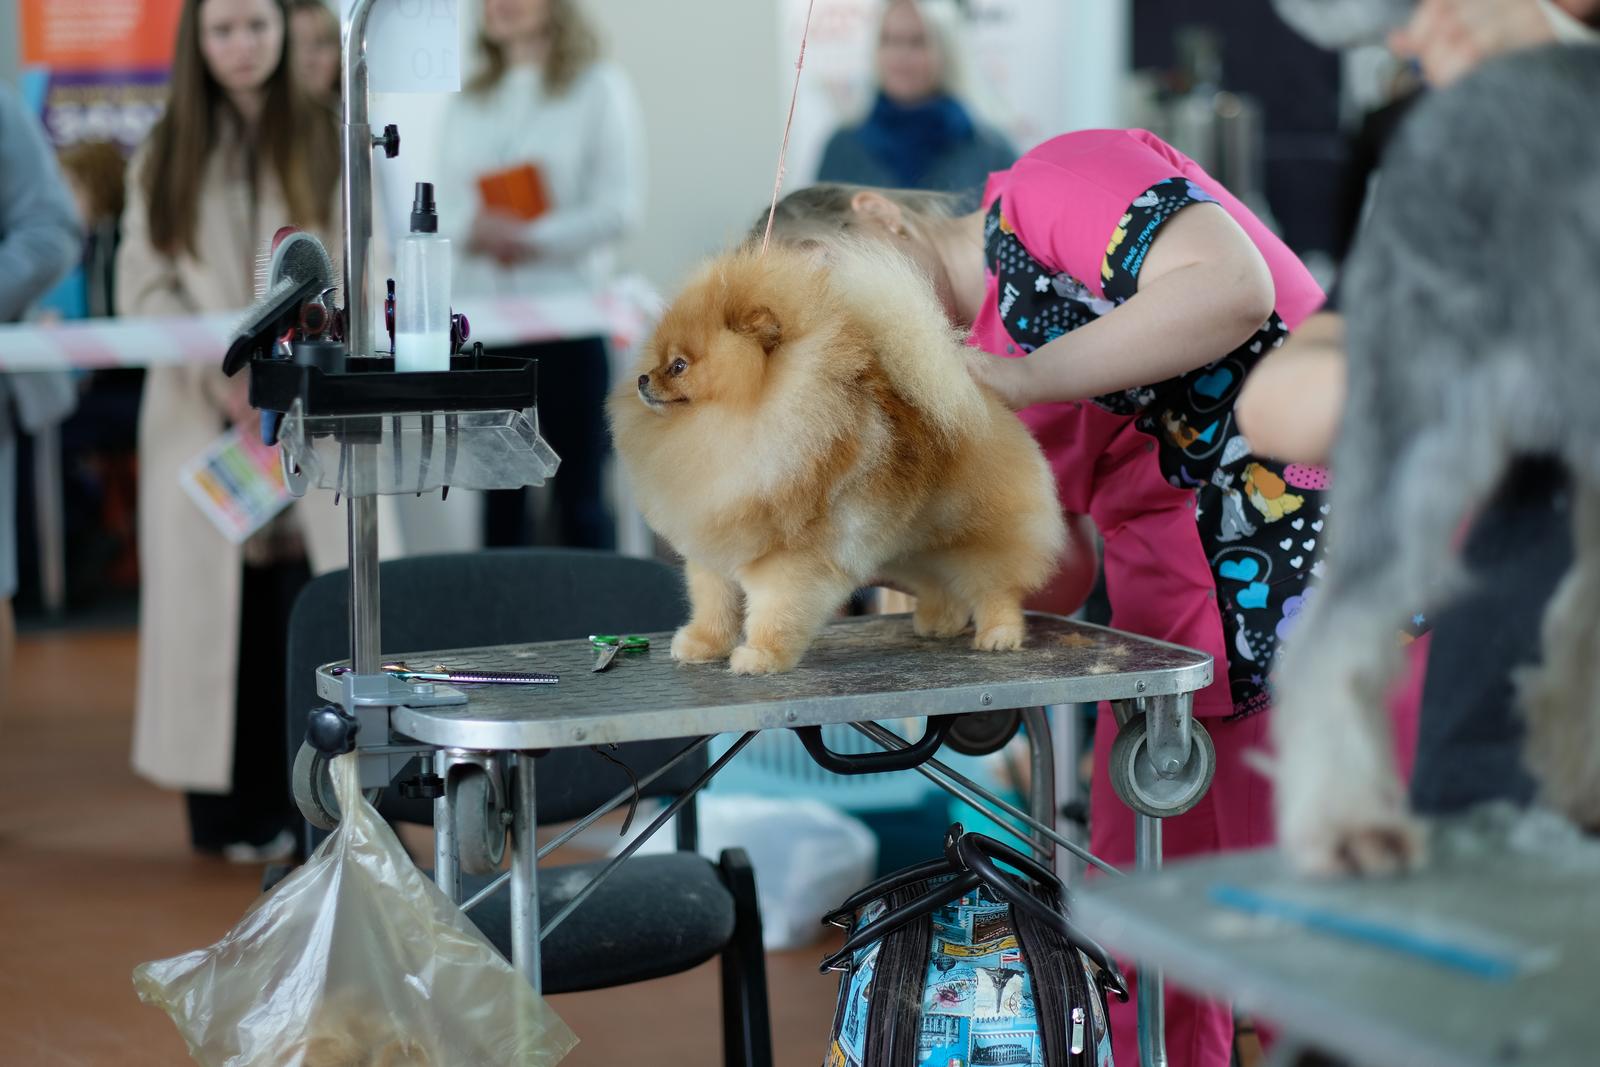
(922, 354)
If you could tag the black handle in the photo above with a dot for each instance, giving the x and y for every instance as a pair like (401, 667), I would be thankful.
(930, 902)
(331, 730)
(971, 850)
(841, 915)
(957, 837)
(950, 864)
(904, 759)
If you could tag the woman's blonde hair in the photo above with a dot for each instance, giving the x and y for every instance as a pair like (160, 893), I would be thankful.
(574, 45)
(824, 212)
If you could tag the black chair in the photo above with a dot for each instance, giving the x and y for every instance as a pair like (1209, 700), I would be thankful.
(658, 914)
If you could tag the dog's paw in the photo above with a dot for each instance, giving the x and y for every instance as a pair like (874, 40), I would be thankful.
(1005, 637)
(748, 659)
(690, 645)
(1373, 841)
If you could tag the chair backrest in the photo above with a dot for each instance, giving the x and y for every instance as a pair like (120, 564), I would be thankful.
(498, 597)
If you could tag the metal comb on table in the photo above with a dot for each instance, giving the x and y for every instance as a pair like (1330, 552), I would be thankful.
(441, 673)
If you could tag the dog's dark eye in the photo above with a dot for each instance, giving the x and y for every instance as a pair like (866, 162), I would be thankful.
(679, 365)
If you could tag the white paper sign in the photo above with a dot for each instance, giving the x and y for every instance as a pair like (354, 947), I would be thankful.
(413, 46)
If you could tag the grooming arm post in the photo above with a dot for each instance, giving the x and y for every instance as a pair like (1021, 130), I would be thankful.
(356, 142)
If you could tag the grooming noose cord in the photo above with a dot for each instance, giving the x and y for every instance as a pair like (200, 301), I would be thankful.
(783, 149)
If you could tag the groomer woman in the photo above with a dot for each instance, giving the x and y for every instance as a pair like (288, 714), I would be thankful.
(239, 153)
(1118, 295)
(544, 106)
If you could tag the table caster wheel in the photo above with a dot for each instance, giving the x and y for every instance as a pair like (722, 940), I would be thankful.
(1134, 778)
(313, 788)
(480, 830)
(979, 733)
(314, 794)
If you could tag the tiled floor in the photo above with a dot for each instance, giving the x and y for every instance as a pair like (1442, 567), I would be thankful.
(96, 876)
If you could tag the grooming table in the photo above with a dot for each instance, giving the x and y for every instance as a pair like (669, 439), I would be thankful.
(857, 672)
(1496, 962)
(859, 669)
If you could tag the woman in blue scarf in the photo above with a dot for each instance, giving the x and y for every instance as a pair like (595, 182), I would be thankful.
(917, 135)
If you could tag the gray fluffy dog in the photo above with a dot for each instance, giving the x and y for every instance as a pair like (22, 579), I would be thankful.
(1473, 308)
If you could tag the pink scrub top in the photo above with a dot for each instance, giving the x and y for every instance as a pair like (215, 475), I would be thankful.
(1205, 545)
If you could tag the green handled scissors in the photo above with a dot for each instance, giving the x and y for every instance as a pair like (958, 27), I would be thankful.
(608, 645)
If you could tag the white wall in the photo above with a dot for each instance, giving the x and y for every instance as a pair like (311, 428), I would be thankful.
(713, 93)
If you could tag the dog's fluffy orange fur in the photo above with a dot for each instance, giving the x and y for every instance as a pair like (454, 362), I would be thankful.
(801, 425)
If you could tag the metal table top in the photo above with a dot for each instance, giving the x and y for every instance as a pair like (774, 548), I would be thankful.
(1495, 890)
(858, 669)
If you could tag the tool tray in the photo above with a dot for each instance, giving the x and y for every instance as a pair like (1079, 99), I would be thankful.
(371, 430)
(474, 382)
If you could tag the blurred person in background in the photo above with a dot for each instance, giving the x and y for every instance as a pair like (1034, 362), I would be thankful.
(98, 443)
(542, 176)
(39, 242)
(314, 42)
(920, 132)
(240, 152)
(96, 175)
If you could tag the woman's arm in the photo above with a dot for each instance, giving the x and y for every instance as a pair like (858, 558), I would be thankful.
(40, 236)
(1290, 405)
(1203, 290)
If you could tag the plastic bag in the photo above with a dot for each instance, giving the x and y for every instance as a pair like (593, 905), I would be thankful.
(807, 856)
(356, 959)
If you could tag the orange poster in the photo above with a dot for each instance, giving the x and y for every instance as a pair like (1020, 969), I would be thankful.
(99, 34)
(96, 70)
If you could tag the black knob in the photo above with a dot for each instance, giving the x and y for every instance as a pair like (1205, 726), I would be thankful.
(390, 140)
(423, 787)
(331, 730)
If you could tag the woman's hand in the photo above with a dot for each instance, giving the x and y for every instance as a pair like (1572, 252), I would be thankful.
(1012, 380)
(1292, 402)
(497, 235)
(1451, 37)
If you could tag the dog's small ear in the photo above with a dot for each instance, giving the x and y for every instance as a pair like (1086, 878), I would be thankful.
(761, 323)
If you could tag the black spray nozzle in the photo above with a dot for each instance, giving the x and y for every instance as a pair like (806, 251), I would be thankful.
(424, 219)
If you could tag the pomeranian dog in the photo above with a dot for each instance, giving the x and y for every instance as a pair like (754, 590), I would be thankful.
(1466, 352)
(802, 424)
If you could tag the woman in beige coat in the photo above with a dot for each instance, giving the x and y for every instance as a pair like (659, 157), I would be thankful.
(239, 153)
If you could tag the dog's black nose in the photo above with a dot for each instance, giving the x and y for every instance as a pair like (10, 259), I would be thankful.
(644, 380)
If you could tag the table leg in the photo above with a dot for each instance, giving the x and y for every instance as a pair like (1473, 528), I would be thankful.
(1064, 737)
(1152, 1004)
(1041, 779)
(446, 857)
(525, 874)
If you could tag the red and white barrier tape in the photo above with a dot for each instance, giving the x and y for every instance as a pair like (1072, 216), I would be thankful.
(623, 313)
